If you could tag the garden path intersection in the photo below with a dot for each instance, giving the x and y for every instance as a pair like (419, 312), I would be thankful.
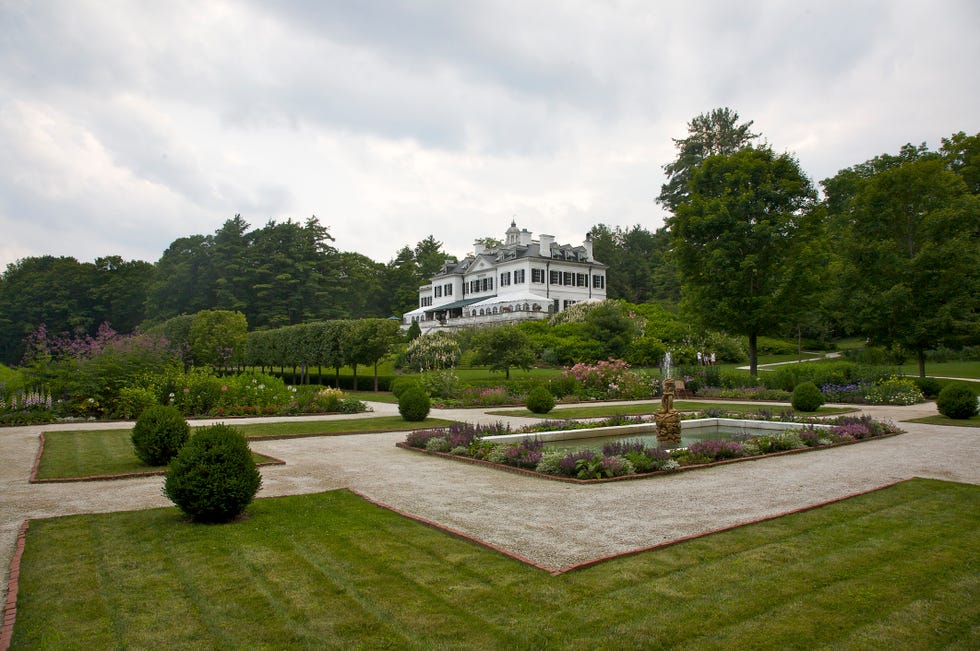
(552, 524)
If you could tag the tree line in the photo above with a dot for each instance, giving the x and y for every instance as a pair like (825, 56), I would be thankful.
(889, 252)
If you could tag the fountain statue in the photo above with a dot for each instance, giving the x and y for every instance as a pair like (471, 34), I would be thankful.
(667, 418)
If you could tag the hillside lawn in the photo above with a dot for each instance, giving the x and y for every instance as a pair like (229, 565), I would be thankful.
(895, 568)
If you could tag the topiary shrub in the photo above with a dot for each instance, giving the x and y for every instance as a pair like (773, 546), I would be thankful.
(214, 476)
(957, 400)
(540, 400)
(159, 434)
(414, 404)
(806, 397)
(403, 382)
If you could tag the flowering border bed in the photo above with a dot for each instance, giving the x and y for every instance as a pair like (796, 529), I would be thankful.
(723, 448)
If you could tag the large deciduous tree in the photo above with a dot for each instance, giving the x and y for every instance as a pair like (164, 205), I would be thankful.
(503, 347)
(742, 241)
(908, 235)
(709, 134)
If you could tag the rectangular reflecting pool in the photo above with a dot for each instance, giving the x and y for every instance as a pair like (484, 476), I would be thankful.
(700, 429)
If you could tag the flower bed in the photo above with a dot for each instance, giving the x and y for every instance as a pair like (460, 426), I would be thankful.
(631, 459)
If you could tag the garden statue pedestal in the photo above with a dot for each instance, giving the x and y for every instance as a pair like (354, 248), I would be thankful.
(667, 418)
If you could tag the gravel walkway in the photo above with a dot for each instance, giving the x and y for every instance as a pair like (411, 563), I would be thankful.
(553, 524)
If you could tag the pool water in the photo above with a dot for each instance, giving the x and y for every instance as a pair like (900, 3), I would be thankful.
(650, 440)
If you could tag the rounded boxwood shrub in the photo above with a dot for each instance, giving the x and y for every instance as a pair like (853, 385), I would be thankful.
(159, 434)
(806, 397)
(414, 404)
(957, 400)
(214, 476)
(540, 400)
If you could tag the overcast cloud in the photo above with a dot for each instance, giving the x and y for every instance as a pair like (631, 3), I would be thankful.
(125, 125)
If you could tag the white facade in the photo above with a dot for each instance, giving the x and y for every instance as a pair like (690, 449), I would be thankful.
(520, 280)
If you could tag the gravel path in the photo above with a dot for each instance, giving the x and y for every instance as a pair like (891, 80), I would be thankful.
(553, 524)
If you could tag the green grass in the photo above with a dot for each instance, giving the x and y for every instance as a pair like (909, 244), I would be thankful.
(70, 455)
(945, 369)
(335, 427)
(891, 569)
(86, 453)
(943, 420)
(643, 408)
(380, 396)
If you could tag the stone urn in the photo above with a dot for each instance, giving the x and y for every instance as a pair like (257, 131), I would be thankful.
(667, 418)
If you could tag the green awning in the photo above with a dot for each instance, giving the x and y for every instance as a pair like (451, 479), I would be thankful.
(456, 304)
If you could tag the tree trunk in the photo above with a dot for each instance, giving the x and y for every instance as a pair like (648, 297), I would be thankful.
(753, 354)
(375, 377)
(921, 355)
(355, 377)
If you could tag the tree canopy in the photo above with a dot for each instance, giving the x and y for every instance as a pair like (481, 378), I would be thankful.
(740, 241)
(709, 134)
(907, 233)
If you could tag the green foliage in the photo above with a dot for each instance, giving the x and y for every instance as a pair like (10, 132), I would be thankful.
(414, 404)
(503, 347)
(744, 242)
(133, 401)
(906, 230)
(403, 382)
(639, 268)
(443, 383)
(213, 478)
(787, 376)
(709, 134)
(893, 391)
(159, 434)
(218, 338)
(957, 400)
(414, 331)
(540, 400)
(930, 387)
(806, 397)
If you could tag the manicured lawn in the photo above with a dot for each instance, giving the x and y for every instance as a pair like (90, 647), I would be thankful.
(335, 427)
(644, 408)
(943, 420)
(69, 455)
(84, 453)
(891, 569)
(945, 369)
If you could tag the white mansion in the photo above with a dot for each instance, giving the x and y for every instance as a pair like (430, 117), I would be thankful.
(520, 280)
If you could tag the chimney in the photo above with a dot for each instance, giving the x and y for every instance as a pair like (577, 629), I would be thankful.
(525, 237)
(588, 247)
(546, 242)
(478, 247)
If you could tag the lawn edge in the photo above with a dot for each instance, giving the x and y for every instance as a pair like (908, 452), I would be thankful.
(13, 580)
(125, 475)
(775, 516)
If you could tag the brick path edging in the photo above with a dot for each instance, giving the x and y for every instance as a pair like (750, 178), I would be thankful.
(10, 606)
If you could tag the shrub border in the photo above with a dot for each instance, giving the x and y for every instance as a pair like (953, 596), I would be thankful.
(125, 475)
(656, 473)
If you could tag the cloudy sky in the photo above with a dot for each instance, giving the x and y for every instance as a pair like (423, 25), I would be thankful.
(125, 125)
